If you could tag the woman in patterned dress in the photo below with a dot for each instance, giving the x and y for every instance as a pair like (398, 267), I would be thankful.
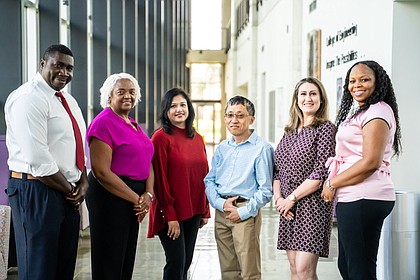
(305, 219)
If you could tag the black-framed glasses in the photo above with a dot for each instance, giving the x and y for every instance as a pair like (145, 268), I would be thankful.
(238, 116)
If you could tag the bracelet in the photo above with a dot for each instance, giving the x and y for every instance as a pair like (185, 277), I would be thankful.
(328, 186)
(73, 188)
(150, 195)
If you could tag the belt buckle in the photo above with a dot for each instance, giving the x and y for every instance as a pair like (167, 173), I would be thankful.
(239, 200)
(236, 201)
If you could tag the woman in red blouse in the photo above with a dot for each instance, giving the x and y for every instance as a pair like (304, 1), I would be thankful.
(180, 206)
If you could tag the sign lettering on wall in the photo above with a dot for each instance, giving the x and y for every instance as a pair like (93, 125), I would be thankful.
(343, 58)
(341, 36)
(312, 6)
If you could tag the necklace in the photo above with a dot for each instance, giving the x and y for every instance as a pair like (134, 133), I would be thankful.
(132, 125)
(125, 118)
(354, 108)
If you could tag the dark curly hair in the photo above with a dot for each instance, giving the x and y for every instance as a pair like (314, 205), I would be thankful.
(383, 92)
(165, 105)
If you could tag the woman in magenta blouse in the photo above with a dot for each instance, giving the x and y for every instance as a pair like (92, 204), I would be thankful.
(121, 181)
(180, 206)
(360, 176)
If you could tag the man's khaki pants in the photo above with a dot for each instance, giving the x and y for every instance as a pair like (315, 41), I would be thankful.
(238, 246)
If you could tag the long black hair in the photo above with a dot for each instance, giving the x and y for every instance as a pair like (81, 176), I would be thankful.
(165, 105)
(383, 92)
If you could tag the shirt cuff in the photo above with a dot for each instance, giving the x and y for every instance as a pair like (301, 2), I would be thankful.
(243, 213)
(169, 213)
(220, 202)
(43, 170)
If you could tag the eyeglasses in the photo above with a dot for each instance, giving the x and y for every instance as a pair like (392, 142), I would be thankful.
(238, 116)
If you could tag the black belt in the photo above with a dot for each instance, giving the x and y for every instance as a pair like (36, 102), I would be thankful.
(239, 199)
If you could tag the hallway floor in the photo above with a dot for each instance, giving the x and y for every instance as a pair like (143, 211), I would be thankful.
(150, 256)
(205, 266)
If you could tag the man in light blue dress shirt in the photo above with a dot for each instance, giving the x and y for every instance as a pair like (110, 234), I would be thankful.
(237, 186)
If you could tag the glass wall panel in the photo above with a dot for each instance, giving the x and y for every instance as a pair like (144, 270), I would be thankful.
(206, 24)
(30, 44)
(206, 81)
(64, 23)
(206, 93)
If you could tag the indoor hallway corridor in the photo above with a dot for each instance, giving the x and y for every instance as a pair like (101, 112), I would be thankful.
(150, 256)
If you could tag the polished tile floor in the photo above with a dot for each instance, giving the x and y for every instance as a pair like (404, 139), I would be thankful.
(205, 266)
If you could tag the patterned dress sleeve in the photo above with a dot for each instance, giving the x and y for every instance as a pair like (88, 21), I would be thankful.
(277, 154)
(325, 148)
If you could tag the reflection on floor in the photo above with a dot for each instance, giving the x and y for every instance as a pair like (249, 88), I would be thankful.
(150, 256)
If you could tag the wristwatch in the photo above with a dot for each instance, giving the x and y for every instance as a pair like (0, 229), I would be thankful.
(328, 186)
(292, 197)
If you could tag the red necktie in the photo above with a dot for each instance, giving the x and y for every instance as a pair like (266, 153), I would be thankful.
(80, 156)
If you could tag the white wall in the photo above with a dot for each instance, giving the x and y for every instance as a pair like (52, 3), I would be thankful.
(373, 40)
(274, 54)
(273, 49)
(243, 55)
(405, 78)
(387, 32)
(282, 52)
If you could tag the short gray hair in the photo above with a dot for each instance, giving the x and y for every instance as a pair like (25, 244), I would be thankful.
(109, 84)
(243, 101)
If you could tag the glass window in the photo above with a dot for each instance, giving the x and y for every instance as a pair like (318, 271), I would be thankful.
(208, 121)
(64, 22)
(206, 24)
(206, 81)
(30, 47)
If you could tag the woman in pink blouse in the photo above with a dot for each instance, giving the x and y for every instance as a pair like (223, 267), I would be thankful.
(180, 165)
(360, 176)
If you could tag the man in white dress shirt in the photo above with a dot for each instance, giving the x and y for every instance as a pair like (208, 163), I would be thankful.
(46, 186)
